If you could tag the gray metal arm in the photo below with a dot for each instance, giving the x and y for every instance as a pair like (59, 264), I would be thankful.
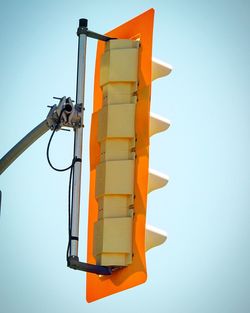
(23, 144)
(65, 111)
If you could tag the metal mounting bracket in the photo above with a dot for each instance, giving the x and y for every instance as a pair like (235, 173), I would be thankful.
(82, 29)
(74, 263)
(70, 116)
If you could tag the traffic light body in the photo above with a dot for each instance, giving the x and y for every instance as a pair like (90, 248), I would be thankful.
(120, 179)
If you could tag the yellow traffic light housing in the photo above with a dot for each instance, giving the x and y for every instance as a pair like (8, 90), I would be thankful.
(120, 178)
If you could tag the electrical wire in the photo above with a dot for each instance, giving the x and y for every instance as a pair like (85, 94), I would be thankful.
(70, 191)
(48, 147)
(70, 187)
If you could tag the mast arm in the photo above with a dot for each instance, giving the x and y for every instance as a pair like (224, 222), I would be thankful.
(23, 144)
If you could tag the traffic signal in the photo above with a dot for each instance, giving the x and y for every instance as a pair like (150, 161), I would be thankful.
(120, 179)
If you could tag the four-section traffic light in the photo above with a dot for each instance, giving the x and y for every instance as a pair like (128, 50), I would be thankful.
(120, 179)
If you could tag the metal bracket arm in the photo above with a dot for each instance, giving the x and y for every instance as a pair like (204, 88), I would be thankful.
(82, 29)
(73, 262)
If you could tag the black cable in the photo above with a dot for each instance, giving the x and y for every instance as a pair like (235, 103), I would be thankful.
(70, 188)
(48, 147)
(70, 203)
(54, 168)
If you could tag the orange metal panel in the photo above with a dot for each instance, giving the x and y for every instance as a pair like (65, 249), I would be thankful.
(140, 27)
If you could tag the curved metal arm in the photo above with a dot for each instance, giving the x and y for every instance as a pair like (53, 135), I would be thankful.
(22, 145)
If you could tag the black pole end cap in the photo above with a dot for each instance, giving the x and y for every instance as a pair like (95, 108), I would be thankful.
(83, 22)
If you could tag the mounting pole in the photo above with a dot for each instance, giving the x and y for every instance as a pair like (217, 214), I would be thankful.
(78, 140)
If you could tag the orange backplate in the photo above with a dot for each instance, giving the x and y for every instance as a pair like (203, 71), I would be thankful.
(140, 27)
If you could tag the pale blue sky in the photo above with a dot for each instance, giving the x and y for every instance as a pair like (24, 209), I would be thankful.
(205, 209)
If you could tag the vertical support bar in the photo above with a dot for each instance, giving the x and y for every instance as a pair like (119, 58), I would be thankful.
(81, 62)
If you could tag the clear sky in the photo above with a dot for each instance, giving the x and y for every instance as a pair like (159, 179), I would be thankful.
(205, 209)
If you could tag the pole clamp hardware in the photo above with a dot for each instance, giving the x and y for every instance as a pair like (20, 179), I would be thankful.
(70, 117)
